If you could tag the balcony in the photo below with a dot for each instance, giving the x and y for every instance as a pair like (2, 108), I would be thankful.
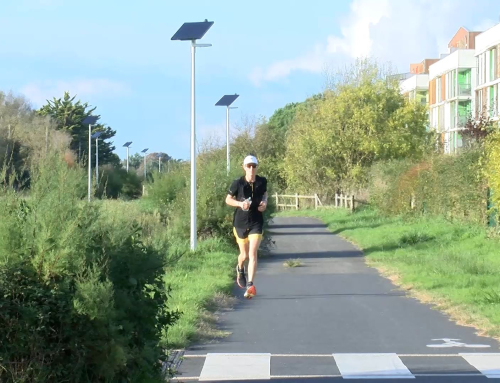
(464, 90)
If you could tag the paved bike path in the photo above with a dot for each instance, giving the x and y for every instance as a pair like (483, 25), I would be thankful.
(334, 318)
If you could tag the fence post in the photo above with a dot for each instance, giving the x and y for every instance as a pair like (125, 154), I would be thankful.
(315, 201)
(352, 203)
(296, 201)
(336, 205)
(276, 196)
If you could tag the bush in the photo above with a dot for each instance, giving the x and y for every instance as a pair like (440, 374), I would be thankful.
(115, 182)
(172, 192)
(448, 186)
(81, 299)
(492, 168)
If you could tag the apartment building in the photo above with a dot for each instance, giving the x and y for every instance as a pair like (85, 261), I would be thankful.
(487, 56)
(451, 80)
(416, 84)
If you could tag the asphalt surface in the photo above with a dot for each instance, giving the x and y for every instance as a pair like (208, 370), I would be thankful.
(334, 318)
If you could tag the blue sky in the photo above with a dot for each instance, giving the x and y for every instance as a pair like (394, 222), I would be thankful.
(118, 56)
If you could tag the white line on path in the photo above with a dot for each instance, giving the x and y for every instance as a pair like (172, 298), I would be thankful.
(236, 367)
(371, 366)
(488, 363)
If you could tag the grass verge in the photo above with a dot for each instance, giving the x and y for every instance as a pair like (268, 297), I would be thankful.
(201, 283)
(454, 266)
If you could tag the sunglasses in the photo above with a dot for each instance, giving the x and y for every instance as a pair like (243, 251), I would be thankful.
(251, 166)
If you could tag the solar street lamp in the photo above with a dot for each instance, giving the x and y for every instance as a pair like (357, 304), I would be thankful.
(226, 101)
(127, 145)
(192, 32)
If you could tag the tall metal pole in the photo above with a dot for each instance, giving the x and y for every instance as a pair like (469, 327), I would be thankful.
(97, 160)
(127, 159)
(227, 137)
(89, 159)
(193, 150)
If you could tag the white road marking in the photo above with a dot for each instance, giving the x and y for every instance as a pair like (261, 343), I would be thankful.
(371, 366)
(219, 367)
(447, 343)
(488, 364)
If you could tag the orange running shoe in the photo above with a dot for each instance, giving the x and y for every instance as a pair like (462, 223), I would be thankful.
(251, 292)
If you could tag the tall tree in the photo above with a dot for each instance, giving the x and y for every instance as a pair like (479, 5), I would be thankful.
(69, 116)
(363, 118)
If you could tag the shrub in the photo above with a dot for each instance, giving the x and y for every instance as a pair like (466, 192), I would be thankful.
(81, 299)
(448, 186)
(115, 182)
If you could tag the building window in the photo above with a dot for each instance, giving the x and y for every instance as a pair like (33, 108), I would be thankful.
(464, 83)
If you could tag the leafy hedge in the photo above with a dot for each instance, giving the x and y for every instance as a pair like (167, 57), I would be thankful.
(448, 186)
(81, 299)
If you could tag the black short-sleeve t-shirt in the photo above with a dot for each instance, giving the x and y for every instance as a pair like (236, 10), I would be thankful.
(241, 190)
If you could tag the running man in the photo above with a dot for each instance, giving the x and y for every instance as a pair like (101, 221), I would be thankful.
(248, 195)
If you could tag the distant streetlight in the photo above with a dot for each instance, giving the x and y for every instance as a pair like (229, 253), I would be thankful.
(226, 101)
(192, 32)
(96, 136)
(127, 145)
(90, 120)
(144, 151)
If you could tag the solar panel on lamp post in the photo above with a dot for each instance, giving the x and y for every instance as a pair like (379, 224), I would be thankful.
(91, 120)
(127, 145)
(96, 136)
(192, 32)
(144, 151)
(226, 101)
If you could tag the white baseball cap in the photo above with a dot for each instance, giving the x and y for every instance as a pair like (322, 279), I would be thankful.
(250, 160)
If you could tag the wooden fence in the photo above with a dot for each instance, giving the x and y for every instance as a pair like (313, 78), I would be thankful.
(293, 201)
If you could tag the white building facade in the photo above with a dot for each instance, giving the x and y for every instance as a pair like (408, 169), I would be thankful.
(487, 73)
(451, 97)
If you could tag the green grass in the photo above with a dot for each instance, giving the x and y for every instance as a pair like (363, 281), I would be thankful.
(456, 266)
(199, 282)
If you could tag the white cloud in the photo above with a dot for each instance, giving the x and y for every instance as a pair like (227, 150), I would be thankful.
(396, 31)
(312, 61)
(356, 40)
(39, 92)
